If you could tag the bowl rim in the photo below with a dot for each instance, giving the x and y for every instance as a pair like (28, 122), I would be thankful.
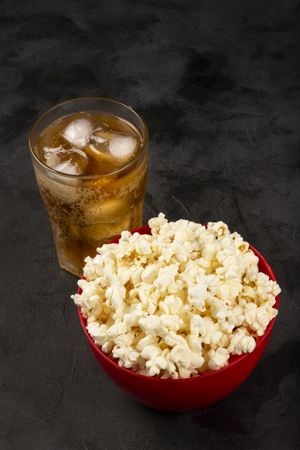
(237, 358)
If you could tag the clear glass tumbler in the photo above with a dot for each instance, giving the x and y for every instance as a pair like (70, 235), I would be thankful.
(86, 211)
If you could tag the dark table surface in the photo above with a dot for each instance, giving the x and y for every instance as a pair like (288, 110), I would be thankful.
(218, 84)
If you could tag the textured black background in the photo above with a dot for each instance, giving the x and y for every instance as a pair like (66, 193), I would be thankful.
(218, 84)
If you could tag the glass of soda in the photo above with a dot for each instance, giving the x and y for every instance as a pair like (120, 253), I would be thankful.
(90, 160)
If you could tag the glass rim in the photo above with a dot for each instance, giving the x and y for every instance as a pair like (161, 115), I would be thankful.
(88, 177)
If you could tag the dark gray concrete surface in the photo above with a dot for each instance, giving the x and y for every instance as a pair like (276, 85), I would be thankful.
(218, 84)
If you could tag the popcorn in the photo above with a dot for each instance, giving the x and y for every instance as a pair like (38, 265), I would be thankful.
(126, 355)
(171, 305)
(241, 342)
(166, 277)
(206, 328)
(195, 343)
(257, 318)
(218, 358)
(146, 341)
(178, 302)
(149, 274)
(115, 296)
(197, 295)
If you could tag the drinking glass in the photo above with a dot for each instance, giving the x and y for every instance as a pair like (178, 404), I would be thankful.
(86, 211)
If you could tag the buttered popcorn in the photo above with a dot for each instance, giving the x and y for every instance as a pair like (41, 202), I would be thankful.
(178, 302)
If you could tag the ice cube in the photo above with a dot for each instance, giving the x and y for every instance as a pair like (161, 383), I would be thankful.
(122, 147)
(68, 167)
(101, 161)
(108, 211)
(99, 143)
(100, 135)
(51, 155)
(78, 132)
(100, 139)
(71, 161)
(97, 233)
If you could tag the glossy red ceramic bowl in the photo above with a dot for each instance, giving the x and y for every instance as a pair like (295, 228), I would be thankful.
(190, 393)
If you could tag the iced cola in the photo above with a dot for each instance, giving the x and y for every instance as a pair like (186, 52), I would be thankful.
(90, 161)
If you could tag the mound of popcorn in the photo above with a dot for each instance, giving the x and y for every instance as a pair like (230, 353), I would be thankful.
(178, 302)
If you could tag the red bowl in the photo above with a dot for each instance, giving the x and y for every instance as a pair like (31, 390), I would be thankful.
(189, 393)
